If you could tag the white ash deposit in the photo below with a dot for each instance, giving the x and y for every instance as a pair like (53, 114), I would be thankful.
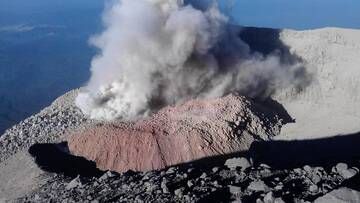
(330, 105)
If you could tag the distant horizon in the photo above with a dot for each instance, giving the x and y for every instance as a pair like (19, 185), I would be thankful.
(280, 14)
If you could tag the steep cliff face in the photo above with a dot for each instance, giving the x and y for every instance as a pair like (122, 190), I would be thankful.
(194, 130)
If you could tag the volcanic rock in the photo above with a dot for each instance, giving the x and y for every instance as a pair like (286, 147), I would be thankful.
(183, 133)
(344, 171)
(340, 195)
(258, 186)
(241, 162)
(74, 183)
(234, 189)
(269, 197)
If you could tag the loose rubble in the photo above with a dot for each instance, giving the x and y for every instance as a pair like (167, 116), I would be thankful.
(47, 126)
(194, 183)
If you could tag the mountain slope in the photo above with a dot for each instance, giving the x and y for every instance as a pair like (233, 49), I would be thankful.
(330, 104)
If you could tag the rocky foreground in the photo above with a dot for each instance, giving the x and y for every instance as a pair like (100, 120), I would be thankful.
(235, 180)
(244, 176)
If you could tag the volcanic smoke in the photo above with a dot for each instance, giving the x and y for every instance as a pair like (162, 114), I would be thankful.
(155, 53)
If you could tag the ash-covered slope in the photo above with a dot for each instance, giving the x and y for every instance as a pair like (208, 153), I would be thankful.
(330, 104)
(18, 172)
(46, 126)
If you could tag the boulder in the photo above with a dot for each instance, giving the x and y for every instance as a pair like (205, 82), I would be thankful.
(178, 134)
(341, 195)
(240, 162)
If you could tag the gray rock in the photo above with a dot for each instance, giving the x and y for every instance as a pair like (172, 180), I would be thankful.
(234, 163)
(279, 200)
(190, 183)
(106, 175)
(258, 200)
(315, 178)
(343, 170)
(340, 167)
(341, 195)
(203, 176)
(348, 173)
(234, 190)
(356, 169)
(319, 170)
(73, 184)
(313, 188)
(257, 186)
(264, 166)
(179, 192)
(307, 168)
(225, 174)
(187, 198)
(269, 198)
(36, 197)
(298, 170)
(171, 170)
(139, 199)
(164, 187)
(215, 169)
(150, 187)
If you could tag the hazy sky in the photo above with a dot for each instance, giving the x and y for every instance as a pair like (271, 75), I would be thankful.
(297, 14)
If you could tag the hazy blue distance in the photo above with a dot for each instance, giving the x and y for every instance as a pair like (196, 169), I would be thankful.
(44, 52)
(301, 14)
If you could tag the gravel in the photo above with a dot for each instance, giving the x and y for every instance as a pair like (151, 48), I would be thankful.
(189, 183)
(47, 126)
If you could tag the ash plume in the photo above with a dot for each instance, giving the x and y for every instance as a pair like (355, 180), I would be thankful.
(155, 53)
